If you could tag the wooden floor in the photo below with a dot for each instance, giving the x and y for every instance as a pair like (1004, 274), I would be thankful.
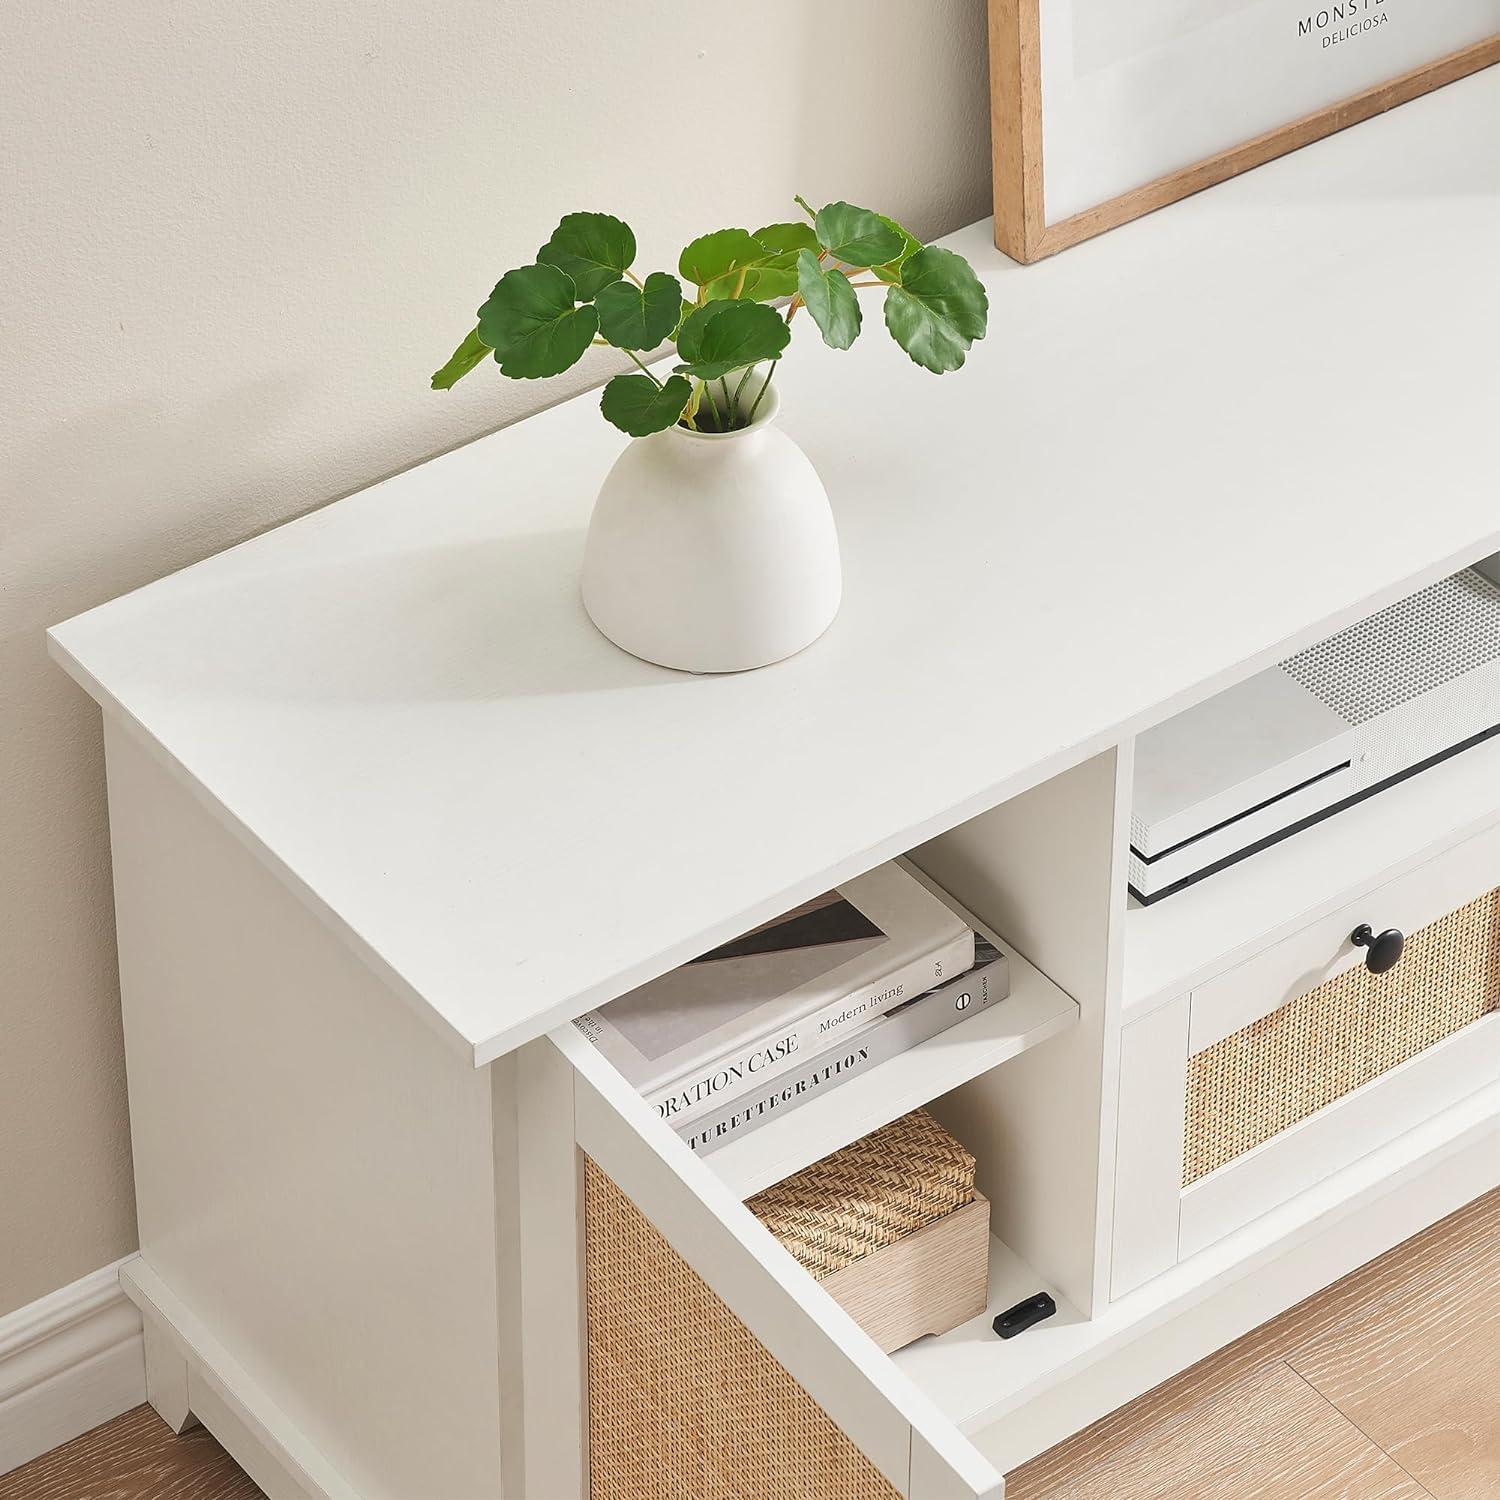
(135, 1457)
(1384, 1387)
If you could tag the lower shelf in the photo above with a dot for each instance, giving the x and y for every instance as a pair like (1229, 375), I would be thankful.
(973, 1376)
(1086, 1367)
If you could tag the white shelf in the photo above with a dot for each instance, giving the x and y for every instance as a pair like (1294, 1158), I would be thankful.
(970, 1373)
(1182, 940)
(1034, 1011)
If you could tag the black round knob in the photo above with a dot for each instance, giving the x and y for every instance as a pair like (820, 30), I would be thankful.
(1383, 949)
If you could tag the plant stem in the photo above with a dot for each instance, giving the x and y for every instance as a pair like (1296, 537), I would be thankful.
(644, 371)
(806, 207)
(740, 388)
(792, 307)
(636, 279)
(764, 386)
(713, 406)
(739, 286)
(730, 410)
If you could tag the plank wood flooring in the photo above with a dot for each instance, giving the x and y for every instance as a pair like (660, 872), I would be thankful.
(1384, 1387)
(1401, 1357)
(1268, 1434)
(135, 1457)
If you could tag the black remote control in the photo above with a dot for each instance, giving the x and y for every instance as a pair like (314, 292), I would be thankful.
(1025, 1315)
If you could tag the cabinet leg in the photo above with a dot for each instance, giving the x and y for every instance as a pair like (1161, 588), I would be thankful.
(166, 1379)
(540, 1205)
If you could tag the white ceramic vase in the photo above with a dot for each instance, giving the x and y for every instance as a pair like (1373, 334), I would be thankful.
(713, 552)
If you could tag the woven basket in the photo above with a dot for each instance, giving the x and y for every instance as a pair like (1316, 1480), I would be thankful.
(883, 1187)
(1286, 1066)
(684, 1402)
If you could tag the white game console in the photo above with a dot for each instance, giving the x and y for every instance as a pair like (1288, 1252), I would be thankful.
(1383, 700)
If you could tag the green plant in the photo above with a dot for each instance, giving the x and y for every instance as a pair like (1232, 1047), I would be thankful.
(581, 291)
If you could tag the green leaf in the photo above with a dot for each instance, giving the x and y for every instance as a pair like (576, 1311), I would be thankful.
(760, 267)
(891, 270)
(857, 236)
(725, 336)
(699, 317)
(531, 323)
(594, 249)
(466, 357)
(775, 274)
(634, 318)
(637, 405)
(833, 303)
(763, 283)
(938, 310)
(780, 238)
(713, 255)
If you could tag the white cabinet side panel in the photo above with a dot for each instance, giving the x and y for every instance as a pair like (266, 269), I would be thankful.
(1046, 871)
(1148, 1147)
(314, 1169)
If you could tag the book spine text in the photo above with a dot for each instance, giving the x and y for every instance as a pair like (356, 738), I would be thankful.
(917, 1021)
(705, 1088)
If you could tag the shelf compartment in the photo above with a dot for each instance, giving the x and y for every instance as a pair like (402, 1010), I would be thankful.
(970, 1374)
(1000, 1394)
(1034, 1011)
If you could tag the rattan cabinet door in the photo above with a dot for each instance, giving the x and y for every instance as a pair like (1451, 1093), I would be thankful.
(716, 1367)
(1343, 1069)
(683, 1398)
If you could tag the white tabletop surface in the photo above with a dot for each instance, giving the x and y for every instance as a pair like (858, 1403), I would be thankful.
(1183, 449)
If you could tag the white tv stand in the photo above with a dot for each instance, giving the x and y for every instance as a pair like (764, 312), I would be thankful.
(387, 813)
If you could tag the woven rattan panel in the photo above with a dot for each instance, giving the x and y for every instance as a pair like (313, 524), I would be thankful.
(684, 1402)
(883, 1187)
(1286, 1066)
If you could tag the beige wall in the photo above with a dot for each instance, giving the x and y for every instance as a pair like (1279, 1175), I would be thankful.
(235, 238)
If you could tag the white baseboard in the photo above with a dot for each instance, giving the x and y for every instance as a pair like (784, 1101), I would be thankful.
(68, 1362)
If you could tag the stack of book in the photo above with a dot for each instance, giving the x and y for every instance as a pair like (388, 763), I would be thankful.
(798, 1006)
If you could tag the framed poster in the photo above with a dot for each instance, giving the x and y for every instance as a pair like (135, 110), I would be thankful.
(1106, 109)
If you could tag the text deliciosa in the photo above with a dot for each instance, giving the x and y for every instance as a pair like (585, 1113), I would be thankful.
(1344, 21)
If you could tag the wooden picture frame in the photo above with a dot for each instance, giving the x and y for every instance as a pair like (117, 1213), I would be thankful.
(1024, 228)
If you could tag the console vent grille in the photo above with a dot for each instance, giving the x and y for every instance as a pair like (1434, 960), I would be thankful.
(1414, 646)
